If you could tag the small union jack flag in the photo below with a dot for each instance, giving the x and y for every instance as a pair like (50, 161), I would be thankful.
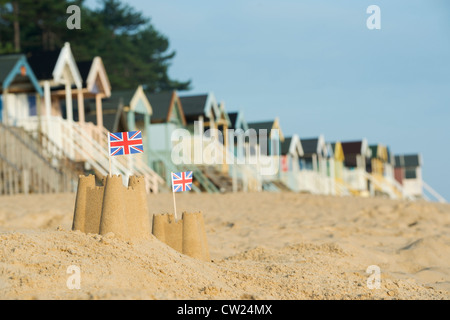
(121, 143)
(181, 181)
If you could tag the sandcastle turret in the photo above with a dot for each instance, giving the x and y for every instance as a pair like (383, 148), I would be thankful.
(187, 235)
(88, 205)
(79, 217)
(113, 218)
(112, 207)
(139, 223)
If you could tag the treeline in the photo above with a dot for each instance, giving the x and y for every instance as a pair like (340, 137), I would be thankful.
(133, 51)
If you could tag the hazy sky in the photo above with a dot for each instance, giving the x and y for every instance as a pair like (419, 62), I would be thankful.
(317, 66)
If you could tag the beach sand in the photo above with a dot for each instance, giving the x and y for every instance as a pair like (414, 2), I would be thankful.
(262, 246)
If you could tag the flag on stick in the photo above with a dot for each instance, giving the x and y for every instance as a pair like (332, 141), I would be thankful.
(181, 181)
(123, 143)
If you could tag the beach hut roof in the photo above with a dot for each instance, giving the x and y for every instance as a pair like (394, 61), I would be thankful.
(163, 104)
(15, 69)
(43, 63)
(233, 119)
(194, 105)
(291, 145)
(200, 105)
(314, 145)
(265, 125)
(51, 65)
(286, 146)
(310, 145)
(338, 153)
(356, 147)
(237, 120)
(90, 72)
(409, 160)
(352, 149)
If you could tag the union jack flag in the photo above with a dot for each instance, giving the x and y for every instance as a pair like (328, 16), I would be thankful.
(181, 181)
(121, 143)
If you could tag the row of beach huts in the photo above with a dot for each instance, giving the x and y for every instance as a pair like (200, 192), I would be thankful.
(56, 113)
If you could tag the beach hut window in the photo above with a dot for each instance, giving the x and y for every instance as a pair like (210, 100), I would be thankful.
(32, 105)
(410, 173)
(308, 164)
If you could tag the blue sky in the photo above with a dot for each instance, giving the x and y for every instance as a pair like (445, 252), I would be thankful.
(316, 66)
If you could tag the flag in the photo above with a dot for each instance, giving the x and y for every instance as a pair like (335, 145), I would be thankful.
(121, 143)
(181, 181)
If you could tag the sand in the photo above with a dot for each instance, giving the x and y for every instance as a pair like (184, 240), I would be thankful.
(262, 246)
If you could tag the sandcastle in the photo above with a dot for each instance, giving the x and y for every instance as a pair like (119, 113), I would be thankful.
(187, 235)
(112, 207)
(123, 211)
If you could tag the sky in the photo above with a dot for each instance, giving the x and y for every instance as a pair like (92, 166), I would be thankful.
(316, 66)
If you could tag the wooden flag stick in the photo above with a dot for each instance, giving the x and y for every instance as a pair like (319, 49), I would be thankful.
(109, 153)
(174, 205)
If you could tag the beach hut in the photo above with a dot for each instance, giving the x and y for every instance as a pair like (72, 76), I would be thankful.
(381, 172)
(237, 121)
(313, 165)
(168, 115)
(114, 117)
(202, 108)
(239, 126)
(408, 172)
(269, 130)
(357, 157)
(203, 112)
(25, 166)
(339, 158)
(265, 149)
(330, 182)
(95, 85)
(19, 88)
(340, 186)
(378, 160)
(122, 110)
(291, 151)
(389, 165)
(57, 72)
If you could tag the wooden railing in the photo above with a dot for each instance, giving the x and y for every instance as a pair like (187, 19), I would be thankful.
(25, 167)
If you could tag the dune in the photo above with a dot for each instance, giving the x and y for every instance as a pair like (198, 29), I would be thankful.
(262, 246)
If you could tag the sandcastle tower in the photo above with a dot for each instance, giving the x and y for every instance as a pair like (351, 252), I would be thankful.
(112, 207)
(187, 235)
